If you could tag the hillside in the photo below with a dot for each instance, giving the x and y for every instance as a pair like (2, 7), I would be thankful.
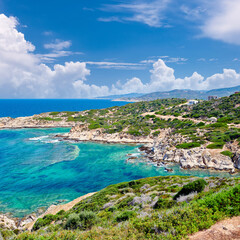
(153, 208)
(129, 95)
(205, 135)
(171, 130)
(178, 93)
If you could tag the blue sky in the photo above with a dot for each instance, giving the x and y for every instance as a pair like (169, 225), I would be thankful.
(92, 48)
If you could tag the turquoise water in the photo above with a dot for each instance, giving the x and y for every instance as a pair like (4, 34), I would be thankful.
(37, 170)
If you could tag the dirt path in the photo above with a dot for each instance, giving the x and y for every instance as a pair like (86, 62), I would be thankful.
(54, 209)
(172, 117)
(224, 230)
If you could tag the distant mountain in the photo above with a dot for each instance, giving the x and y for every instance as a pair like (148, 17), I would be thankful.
(183, 93)
(129, 95)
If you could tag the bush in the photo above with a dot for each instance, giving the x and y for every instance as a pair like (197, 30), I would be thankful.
(87, 219)
(201, 124)
(188, 145)
(195, 186)
(42, 222)
(217, 145)
(163, 203)
(156, 133)
(124, 216)
(227, 153)
(73, 221)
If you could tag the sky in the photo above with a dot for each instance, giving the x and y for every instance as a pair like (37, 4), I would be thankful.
(86, 49)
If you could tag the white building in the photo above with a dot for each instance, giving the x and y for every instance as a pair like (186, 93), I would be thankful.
(192, 102)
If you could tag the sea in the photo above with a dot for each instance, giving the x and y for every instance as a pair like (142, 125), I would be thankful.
(38, 170)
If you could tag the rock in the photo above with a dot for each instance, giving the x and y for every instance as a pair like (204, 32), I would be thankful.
(7, 222)
(26, 220)
(236, 160)
(143, 199)
(144, 187)
(109, 204)
(58, 222)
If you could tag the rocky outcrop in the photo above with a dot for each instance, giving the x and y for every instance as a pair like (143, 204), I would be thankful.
(32, 122)
(82, 133)
(236, 160)
(7, 222)
(163, 150)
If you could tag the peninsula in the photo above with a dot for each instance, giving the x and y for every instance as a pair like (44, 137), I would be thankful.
(204, 135)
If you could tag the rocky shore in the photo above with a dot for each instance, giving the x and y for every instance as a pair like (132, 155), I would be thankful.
(162, 150)
(33, 122)
(159, 149)
(27, 222)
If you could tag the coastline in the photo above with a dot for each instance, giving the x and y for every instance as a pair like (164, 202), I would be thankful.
(158, 150)
(27, 222)
(161, 148)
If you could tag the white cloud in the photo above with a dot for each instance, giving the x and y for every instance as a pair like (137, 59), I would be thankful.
(24, 75)
(229, 78)
(222, 21)
(110, 19)
(163, 79)
(117, 65)
(147, 12)
(58, 45)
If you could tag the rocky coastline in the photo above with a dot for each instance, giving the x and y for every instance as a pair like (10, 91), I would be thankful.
(162, 150)
(158, 149)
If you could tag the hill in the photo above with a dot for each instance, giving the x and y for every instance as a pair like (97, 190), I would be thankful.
(153, 208)
(188, 94)
(129, 95)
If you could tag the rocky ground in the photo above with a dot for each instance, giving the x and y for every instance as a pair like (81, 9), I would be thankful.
(228, 229)
(162, 149)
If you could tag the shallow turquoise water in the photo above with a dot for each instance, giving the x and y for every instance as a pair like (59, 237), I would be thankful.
(37, 170)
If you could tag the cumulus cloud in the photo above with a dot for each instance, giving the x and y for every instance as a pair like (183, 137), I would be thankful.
(163, 79)
(23, 75)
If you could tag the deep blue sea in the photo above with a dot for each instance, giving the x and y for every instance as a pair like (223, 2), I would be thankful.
(38, 170)
(28, 107)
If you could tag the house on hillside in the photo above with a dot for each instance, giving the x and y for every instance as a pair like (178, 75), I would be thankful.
(192, 102)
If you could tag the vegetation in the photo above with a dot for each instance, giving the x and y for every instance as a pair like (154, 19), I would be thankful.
(227, 153)
(195, 186)
(132, 119)
(188, 145)
(145, 209)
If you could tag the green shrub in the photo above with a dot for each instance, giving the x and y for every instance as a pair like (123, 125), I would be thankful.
(201, 124)
(227, 153)
(156, 133)
(124, 216)
(163, 203)
(73, 221)
(54, 113)
(42, 222)
(217, 125)
(188, 145)
(217, 145)
(87, 219)
(195, 186)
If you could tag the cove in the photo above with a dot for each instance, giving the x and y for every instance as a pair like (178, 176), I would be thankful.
(38, 170)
